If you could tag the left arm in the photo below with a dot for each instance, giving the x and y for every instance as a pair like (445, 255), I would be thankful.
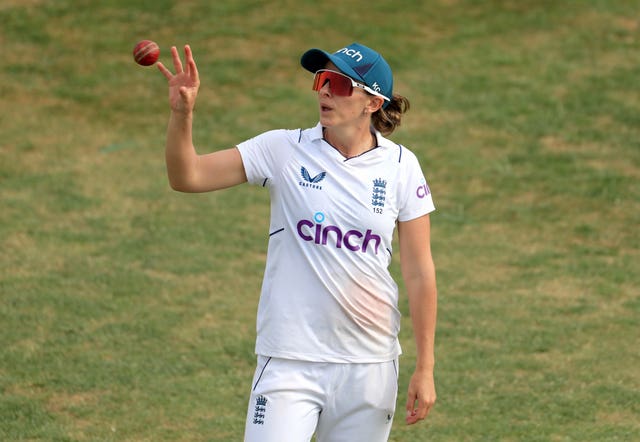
(419, 275)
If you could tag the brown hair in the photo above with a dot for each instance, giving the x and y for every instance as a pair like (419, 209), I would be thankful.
(386, 120)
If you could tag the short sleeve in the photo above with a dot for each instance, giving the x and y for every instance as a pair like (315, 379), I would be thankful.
(415, 199)
(264, 155)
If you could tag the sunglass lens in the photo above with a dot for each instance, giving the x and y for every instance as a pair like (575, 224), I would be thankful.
(339, 84)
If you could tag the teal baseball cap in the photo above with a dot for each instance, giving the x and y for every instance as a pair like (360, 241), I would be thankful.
(359, 62)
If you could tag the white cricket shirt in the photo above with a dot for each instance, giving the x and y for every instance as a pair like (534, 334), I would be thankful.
(327, 294)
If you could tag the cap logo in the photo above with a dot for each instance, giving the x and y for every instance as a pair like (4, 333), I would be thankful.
(356, 55)
(376, 87)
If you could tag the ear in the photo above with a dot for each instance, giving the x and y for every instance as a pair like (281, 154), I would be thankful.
(375, 103)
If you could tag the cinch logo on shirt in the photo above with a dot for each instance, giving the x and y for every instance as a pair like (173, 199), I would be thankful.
(423, 190)
(353, 240)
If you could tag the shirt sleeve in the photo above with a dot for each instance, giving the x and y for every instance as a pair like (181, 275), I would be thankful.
(264, 156)
(415, 195)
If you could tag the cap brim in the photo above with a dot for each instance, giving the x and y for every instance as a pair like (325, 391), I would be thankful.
(314, 59)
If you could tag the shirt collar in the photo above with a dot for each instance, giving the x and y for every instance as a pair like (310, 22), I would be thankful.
(316, 134)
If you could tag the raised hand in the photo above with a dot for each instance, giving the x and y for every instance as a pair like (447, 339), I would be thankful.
(184, 84)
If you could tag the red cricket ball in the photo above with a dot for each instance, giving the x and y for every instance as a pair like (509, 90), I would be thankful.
(146, 52)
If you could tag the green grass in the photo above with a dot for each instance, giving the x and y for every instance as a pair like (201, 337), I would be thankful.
(127, 310)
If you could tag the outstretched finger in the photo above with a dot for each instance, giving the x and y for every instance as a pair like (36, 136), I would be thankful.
(192, 69)
(177, 63)
(166, 72)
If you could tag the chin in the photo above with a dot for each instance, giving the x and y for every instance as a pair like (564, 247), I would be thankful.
(325, 121)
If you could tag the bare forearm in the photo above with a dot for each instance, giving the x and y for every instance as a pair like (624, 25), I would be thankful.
(421, 394)
(180, 155)
(423, 304)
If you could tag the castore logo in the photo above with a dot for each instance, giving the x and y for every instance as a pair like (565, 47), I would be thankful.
(311, 181)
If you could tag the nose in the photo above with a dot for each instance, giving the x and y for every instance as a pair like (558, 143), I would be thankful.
(325, 89)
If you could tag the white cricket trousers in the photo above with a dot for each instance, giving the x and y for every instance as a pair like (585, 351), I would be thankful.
(291, 400)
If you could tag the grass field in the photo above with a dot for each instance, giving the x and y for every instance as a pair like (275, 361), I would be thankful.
(127, 310)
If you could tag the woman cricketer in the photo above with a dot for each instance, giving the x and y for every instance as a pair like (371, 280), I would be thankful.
(328, 320)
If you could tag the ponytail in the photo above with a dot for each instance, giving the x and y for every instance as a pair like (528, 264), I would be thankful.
(386, 120)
